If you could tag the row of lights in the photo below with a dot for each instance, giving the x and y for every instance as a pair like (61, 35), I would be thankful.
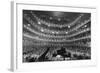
(51, 18)
(43, 30)
(59, 19)
(52, 31)
(39, 23)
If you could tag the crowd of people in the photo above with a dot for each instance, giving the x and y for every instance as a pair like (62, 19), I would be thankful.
(61, 54)
(44, 31)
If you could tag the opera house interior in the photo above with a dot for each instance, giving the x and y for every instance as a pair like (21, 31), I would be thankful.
(56, 36)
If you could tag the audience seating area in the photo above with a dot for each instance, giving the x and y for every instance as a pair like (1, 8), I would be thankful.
(51, 37)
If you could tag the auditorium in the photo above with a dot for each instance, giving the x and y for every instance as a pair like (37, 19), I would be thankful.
(55, 36)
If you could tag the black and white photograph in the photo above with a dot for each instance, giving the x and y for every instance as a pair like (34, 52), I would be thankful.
(55, 36)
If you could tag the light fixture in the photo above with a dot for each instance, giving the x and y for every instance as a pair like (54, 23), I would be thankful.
(28, 25)
(66, 32)
(85, 26)
(48, 25)
(59, 19)
(42, 30)
(57, 32)
(39, 22)
(68, 26)
(53, 32)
